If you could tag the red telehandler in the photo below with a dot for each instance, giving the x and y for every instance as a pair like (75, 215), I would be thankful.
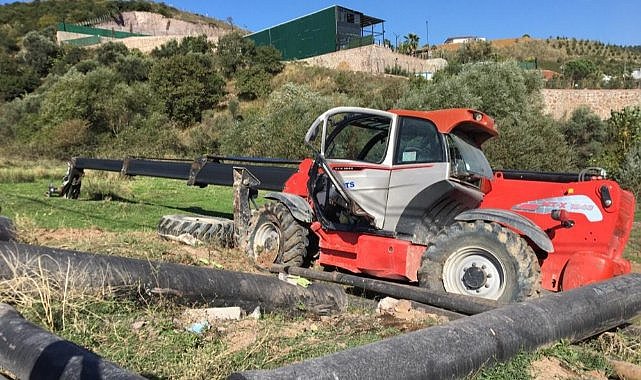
(409, 196)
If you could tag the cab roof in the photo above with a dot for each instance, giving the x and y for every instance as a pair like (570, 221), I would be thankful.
(475, 123)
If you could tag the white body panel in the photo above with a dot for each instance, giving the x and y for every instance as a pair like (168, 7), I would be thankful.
(406, 183)
(368, 187)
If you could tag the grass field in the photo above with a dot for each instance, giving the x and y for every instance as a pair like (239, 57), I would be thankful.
(118, 216)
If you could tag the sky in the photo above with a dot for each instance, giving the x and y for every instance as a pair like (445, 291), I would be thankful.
(614, 21)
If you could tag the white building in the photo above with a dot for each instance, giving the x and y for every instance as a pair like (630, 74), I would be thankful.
(463, 40)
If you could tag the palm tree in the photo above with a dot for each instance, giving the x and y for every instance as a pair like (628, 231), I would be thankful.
(411, 42)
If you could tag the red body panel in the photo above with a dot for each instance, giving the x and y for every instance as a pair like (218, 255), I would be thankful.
(591, 250)
(374, 255)
(297, 183)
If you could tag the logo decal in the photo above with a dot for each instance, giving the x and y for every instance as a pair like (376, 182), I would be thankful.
(580, 204)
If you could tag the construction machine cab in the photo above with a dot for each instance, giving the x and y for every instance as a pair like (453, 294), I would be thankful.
(370, 164)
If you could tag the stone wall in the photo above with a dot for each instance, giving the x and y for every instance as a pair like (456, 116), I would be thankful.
(374, 59)
(561, 103)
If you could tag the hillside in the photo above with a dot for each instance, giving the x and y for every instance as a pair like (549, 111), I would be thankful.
(17, 19)
(552, 54)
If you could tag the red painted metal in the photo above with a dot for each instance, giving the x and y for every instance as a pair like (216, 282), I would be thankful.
(297, 183)
(587, 252)
(447, 120)
(374, 255)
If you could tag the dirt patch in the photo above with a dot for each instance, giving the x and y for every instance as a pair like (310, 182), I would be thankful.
(240, 335)
(553, 368)
(550, 368)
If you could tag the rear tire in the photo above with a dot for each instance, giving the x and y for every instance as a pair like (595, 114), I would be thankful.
(483, 260)
(275, 237)
(193, 230)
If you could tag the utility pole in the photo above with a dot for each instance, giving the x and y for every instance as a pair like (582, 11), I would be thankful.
(427, 37)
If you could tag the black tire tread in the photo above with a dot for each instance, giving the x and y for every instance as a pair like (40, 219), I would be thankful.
(204, 229)
(430, 273)
(294, 235)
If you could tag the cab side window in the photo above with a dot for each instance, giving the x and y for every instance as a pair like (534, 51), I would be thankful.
(418, 142)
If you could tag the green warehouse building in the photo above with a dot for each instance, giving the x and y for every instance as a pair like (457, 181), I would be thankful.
(322, 32)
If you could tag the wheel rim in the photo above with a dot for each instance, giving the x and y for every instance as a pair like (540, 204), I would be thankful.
(266, 244)
(474, 271)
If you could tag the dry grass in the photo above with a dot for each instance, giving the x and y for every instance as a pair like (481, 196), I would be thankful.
(53, 299)
(106, 186)
(10, 172)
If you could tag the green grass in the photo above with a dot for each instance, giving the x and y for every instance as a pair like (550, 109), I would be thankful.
(633, 248)
(146, 200)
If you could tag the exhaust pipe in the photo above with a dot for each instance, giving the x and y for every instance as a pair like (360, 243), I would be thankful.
(459, 348)
(191, 284)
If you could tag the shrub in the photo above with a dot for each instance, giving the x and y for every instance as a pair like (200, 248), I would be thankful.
(133, 68)
(280, 129)
(63, 141)
(109, 53)
(268, 59)
(253, 82)
(586, 133)
(187, 85)
(234, 52)
(624, 134)
(630, 172)
(529, 142)
(38, 52)
(527, 139)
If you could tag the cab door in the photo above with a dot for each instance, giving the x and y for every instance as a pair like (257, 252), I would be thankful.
(356, 147)
(418, 162)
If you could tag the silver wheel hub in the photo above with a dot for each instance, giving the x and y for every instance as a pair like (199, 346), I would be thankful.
(266, 239)
(474, 271)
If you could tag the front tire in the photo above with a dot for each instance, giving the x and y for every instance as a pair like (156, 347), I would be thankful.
(483, 260)
(275, 237)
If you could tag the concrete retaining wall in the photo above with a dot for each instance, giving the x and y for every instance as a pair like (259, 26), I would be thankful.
(373, 59)
(561, 103)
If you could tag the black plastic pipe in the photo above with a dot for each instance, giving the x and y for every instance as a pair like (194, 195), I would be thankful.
(461, 347)
(190, 284)
(454, 302)
(29, 352)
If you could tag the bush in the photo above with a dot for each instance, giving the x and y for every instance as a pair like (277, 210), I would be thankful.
(234, 52)
(529, 142)
(133, 68)
(38, 52)
(527, 139)
(279, 131)
(630, 172)
(253, 82)
(587, 133)
(63, 141)
(190, 44)
(624, 134)
(187, 85)
(108, 54)
(268, 59)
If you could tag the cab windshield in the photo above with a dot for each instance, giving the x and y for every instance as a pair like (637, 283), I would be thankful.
(357, 137)
(467, 161)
